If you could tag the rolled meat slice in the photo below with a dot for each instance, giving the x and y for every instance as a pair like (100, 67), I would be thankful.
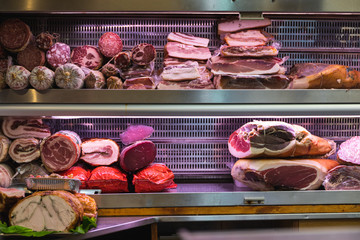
(15, 35)
(48, 211)
(60, 151)
(41, 78)
(143, 54)
(24, 150)
(110, 44)
(24, 128)
(136, 133)
(31, 57)
(6, 174)
(137, 155)
(69, 76)
(58, 54)
(87, 56)
(17, 77)
(99, 151)
(4, 148)
(108, 179)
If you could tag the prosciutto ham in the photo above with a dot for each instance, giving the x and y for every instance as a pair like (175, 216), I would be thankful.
(280, 174)
(251, 82)
(188, 39)
(239, 51)
(343, 178)
(23, 128)
(23, 150)
(179, 50)
(99, 151)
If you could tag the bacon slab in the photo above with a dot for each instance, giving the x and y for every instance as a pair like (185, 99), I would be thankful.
(238, 51)
(23, 150)
(188, 39)
(180, 73)
(236, 24)
(25, 127)
(251, 82)
(99, 151)
(179, 50)
(250, 38)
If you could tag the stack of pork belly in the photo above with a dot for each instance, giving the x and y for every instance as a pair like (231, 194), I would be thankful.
(248, 58)
(185, 63)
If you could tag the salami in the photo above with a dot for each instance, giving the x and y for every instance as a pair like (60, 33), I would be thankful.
(60, 151)
(109, 70)
(349, 151)
(87, 56)
(69, 76)
(58, 54)
(17, 77)
(4, 148)
(44, 40)
(95, 80)
(41, 78)
(114, 83)
(15, 35)
(110, 44)
(122, 60)
(25, 127)
(31, 57)
(143, 53)
(24, 150)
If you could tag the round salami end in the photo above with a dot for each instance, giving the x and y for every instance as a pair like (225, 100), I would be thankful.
(110, 44)
(14, 35)
(58, 54)
(122, 60)
(31, 57)
(44, 41)
(87, 56)
(143, 54)
(17, 77)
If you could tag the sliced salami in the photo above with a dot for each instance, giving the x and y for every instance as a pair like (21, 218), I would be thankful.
(41, 78)
(24, 150)
(45, 40)
(143, 53)
(114, 83)
(110, 44)
(109, 70)
(17, 77)
(58, 54)
(31, 57)
(69, 76)
(95, 80)
(15, 35)
(122, 60)
(25, 127)
(137, 155)
(60, 151)
(87, 56)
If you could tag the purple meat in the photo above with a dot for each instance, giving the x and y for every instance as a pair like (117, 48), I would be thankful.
(135, 133)
(137, 155)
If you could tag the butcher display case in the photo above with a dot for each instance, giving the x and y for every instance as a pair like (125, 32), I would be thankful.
(192, 127)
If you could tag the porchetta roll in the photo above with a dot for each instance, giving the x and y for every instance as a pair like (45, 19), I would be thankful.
(25, 127)
(24, 150)
(4, 148)
(100, 151)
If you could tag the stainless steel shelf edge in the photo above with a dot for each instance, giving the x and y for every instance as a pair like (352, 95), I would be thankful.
(146, 200)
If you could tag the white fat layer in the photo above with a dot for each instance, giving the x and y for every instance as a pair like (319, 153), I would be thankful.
(301, 83)
(275, 69)
(95, 152)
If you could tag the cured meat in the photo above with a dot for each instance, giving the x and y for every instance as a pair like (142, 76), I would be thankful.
(109, 70)
(15, 35)
(69, 76)
(137, 155)
(26, 170)
(349, 151)
(188, 39)
(143, 54)
(179, 50)
(137, 86)
(31, 57)
(60, 151)
(4, 148)
(136, 133)
(280, 174)
(136, 71)
(58, 54)
(248, 38)
(24, 128)
(251, 82)
(275, 139)
(17, 77)
(23, 150)
(100, 151)
(320, 75)
(79, 173)
(41, 78)
(180, 73)
(147, 82)
(8, 197)
(170, 61)
(343, 178)
(114, 83)
(239, 66)
(47, 211)
(87, 56)
(95, 80)
(229, 25)
(154, 178)
(108, 179)
(238, 51)
(6, 174)
(45, 40)
(123, 60)
(110, 44)
(88, 204)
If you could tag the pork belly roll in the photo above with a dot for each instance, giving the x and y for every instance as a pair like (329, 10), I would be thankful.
(98, 151)
(4, 148)
(23, 150)
(60, 151)
(6, 174)
(48, 211)
(24, 128)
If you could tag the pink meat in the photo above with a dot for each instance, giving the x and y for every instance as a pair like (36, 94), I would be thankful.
(349, 151)
(135, 133)
(87, 56)
(110, 44)
(23, 150)
(188, 39)
(122, 60)
(99, 151)
(137, 156)
(58, 54)
(143, 54)
(108, 179)
(60, 151)
(25, 127)
(179, 50)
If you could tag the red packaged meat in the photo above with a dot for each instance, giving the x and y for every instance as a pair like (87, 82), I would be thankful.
(31, 57)
(143, 54)
(79, 173)
(108, 179)
(45, 40)
(154, 178)
(100, 151)
(87, 56)
(60, 151)
(15, 35)
(137, 155)
(17, 77)
(135, 133)
(110, 44)
(25, 127)
(58, 54)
